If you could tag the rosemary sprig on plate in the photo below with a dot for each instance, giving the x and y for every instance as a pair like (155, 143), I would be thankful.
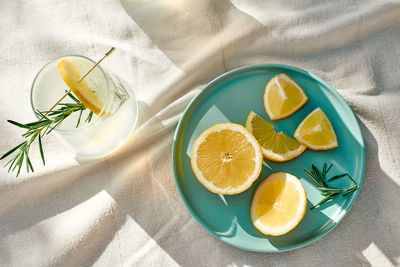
(37, 129)
(321, 181)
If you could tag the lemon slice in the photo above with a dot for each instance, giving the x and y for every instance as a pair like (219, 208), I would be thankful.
(275, 146)
(316, 131)
(71, 72)
(226, 159)
(283, 97)
(279, 204)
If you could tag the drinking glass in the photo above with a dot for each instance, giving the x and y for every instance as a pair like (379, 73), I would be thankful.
(107, 130)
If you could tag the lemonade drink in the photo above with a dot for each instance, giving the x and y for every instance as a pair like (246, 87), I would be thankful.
(108, 129)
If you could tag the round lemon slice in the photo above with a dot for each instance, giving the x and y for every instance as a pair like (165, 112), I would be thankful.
(283, 97)
(275, 146)
(71, 71)
(226, 158)
(316, 131)
(279, 204)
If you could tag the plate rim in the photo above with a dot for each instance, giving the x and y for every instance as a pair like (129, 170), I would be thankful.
(208, 89)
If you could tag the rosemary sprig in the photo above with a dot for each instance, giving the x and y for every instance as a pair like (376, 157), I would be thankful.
(321, 181)
(49, 120)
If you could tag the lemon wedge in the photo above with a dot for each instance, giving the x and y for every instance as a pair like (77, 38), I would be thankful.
(275, 146)
(283, 97)
(316, 131)
(226, 158)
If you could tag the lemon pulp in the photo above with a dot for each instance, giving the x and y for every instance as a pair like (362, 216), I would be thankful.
(71, 72)
(279, 204)
(275, 146)
(226, 158)
(316, 131)
(283, 96)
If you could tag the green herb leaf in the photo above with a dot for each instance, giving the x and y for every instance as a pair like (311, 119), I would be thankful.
(318, 175)
(37, 124)
(351, 178)
(12, 150)
(89, 117)
(18, 124)
(330, 189)
(28, 162)
(19, 163)
(41, 149)
(315, 180)
(327, 191)
(325, 199)
(79, 119)
(350, 191)
(324, 171)
(12, 161)
(329, 168)
(49, 120)
(337, 177)
(73, 98)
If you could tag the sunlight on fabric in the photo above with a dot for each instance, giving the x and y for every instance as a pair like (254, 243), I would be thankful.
(164, 3)
(235, 265)
(267, 12)
(375, 256)
(150, 245)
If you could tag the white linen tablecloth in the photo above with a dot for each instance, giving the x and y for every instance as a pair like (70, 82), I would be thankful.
(125, 210)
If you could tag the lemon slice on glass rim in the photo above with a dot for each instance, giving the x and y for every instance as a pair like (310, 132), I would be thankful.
(91, 91)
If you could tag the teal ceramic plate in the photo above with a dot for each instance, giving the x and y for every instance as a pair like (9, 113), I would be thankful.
(230, 98)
